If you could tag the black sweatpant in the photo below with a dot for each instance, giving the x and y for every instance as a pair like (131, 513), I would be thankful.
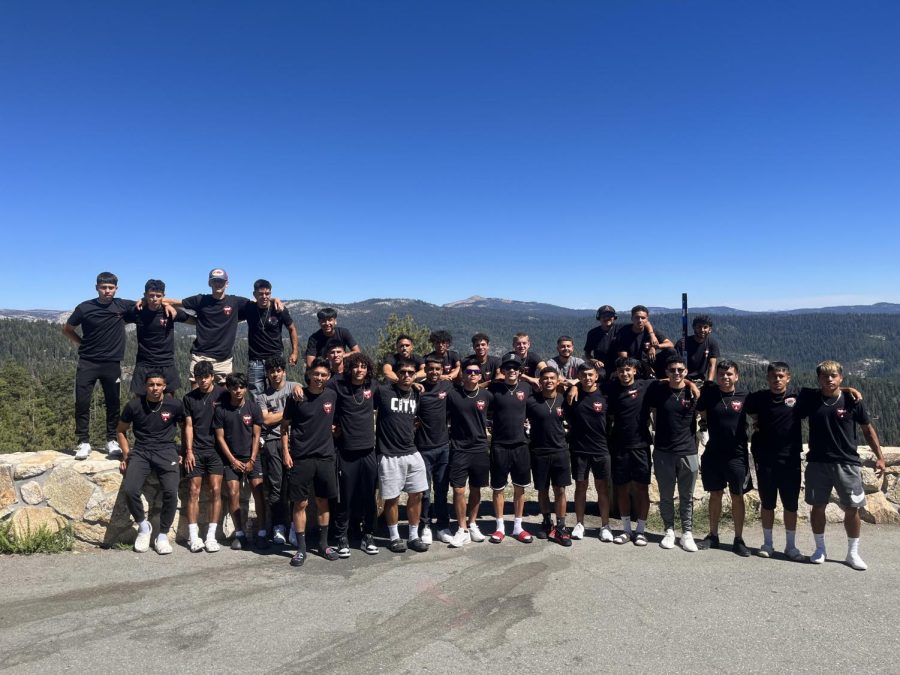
(357, 477)
(276, 481)
(86, 376)
(164, 462)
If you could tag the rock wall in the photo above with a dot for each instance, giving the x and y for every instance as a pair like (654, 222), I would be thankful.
(52, 489)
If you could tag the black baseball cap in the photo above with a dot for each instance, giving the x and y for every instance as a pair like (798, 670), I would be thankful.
(606, 309)
(511, 358)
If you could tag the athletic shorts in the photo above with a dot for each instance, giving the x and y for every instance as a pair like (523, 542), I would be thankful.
(139, 378)
(585, 465)
(405, 473)
(474, 467)
(778, 479)
(510, 461)
(846, 479)
(717, 471)
(206, 463)
(553, 469)
(631, 465)
(231, 474)
(221, 368)
(312, 476)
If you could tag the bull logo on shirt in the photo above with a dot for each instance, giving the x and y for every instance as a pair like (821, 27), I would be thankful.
(598, 406)
(367, 394)
(227, 310)
(633, 393)
(327, 407)
(247, 419)
(480, 405)
(558, 411)
(789, 402)
(442, 395)
(737, 405)
(841, 413)
(166, 416)
(162, 321)
(520, 395)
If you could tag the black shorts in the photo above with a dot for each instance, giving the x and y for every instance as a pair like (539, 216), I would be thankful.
(776, 480)
(231, 474)
(312, 476)
(139, 377)
(206, 463)
(717, 471)
(585, 465)
(631, 465)
(553, 469)
(474, 467)
(510, 460)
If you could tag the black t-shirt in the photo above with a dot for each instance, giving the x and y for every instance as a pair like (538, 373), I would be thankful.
(311, 421)
(832, 426)
(396, 419)
(468, 419)
(601, 345)
(529, 365)
(102, 329)
(548, 431)
(315, 346)
(779, 436)
(699, 354)
(449, 360)
(354, 414)
(155, 335)
(201, 409)
(635, 344)
(488, 368)
(153, 424)
(217, 322)
(675, 428)
(630, 412)
(432, 413)
(508, 412)
(238, 425)
(726, 418)
(587, 419)
(264, 330)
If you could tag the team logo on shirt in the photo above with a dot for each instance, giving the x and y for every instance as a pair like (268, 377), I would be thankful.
(442, 395)
(480, 404)
(166, 416)
(227, 310)
(736, 406)
(598, 406)
(520, 395)
(367, 394)
(789, 402)
(633, 393)
(327, 407)
(247, 419)
(162, 321)
(558, 411)
(273, 320)
(841, 413)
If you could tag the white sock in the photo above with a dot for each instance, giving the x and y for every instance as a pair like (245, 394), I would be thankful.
(790, 537)
(626, 524)
(641, 525)
(767, 536)
(162, 537)
(193, 531)
(392, 531)
(238, 533)
(501, 525)
(852, 545)
(261, 533)
(211, 531)
(144, 526)
(820, 541)
(413, 531)
(517, 526)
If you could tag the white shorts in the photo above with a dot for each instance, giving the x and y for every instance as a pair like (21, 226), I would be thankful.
(401, 474)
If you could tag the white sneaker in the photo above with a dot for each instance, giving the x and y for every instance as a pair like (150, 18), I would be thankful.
(425, 534)
(142, 541)
(278, 537)
(83, 451)
(212, 546)
(856, 562)
(765, 551)
(578, 531)
(475, 533)
(606, 534)
(818, 556)
(688, 543)
(196, 545)
(162, 545)
(460, 539)
(668, 540)
(793, 553)
(292, 536)
(445, 535)
(113, 451)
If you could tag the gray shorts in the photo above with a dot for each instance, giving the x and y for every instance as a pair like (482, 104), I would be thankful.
(822, 477)
(402, 474)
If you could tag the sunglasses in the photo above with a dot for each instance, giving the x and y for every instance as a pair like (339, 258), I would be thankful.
(407, 373)
(675, 370)
(473, 371)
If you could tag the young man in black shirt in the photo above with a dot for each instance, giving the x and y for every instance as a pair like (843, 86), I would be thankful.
(238, 423)
(307, 446)
(509, 446)
(265, 324)
(702, 351)
(469, 455)
(550, 456)
(201, 458)
(356, 461)
(589, 448)
(154, 419)
(328, 330)
(641, 341)
(101, 347)
(672, 403)
(489, 365)
(404, 345)
(400, 466)
(832, 462)
(600, 343)
(433, 442)
(725, 460)
(630, 441)
(530, 360)
(441, 340)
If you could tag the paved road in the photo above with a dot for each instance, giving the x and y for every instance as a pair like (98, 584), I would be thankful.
(512, 608)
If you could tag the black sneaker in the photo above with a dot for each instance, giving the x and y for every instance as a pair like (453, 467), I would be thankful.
(740, 548)
(240, 543)
(343, 547)
(544, 532)
(330, 553)
(709, 541)
(367, 545)
(298, 559)
(418, 545)
(562, 535)
(260, 543)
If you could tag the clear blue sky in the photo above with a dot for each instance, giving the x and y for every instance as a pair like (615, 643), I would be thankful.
(567, 152)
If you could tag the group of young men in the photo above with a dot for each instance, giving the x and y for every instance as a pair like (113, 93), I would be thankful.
(442, 424)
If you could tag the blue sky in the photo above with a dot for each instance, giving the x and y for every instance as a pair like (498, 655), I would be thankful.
(576, 153)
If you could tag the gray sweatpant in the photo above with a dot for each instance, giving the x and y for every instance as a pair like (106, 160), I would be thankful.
(671, 469)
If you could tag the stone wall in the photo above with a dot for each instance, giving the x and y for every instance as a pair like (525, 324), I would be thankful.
(52, 489)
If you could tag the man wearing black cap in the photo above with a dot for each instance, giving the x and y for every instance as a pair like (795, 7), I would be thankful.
(599, 345)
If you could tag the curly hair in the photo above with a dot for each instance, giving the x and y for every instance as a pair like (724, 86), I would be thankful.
(356, 358)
